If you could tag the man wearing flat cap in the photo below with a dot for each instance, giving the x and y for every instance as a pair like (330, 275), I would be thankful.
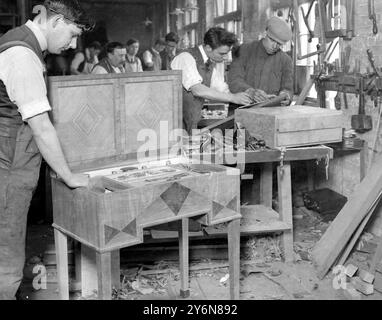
(261, 69)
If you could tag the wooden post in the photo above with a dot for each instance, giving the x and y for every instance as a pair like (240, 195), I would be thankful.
(22, 10)
(285, 208)
(88, 265)
(115, 270)
(266, 188)
(61, 244)
(184, 258)
(104, 275)
(234, 258)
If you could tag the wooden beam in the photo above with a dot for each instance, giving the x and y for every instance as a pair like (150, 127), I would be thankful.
(339, 232)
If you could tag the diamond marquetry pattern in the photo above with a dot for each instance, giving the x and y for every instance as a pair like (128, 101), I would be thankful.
(175, 196)
(87, 120)
(149, 114)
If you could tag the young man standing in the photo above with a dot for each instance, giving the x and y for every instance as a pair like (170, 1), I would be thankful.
(25, 127)
(203, 70)
(170, 51)
(152, 60)
(133, 63)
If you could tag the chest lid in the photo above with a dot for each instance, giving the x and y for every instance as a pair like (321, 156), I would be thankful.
(105, 119)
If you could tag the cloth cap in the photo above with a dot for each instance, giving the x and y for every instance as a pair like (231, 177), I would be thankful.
(279, 30)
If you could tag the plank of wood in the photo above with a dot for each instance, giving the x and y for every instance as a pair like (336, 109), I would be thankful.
(61, 242)
(366, 276)
(351, 270)
(341, 229)
(361, 286)
(163, 234)
(377, 257)
(354, 238)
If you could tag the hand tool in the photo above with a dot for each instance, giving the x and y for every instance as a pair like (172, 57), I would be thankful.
(361, 122)
(373, 16)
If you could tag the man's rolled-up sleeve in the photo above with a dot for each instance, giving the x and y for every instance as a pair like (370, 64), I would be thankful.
(26, 85)
(190, 74)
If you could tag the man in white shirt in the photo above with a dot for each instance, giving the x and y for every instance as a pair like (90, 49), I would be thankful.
(114, 61)
(133, 63)
(25, 127)
(203, 75)
(152, 60)
(84, 62)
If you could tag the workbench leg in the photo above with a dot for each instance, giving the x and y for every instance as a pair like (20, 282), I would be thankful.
(61, 244)
(266, 180)
(184, 258)
(234, 258)
(284, 182)
(104, 275)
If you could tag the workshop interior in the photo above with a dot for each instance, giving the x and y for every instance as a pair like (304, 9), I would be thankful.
(191, 149)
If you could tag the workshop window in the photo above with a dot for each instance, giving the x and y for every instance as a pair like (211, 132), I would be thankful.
(190, 22)
(228, 15)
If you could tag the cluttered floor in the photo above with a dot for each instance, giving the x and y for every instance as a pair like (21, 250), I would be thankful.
(150, 271)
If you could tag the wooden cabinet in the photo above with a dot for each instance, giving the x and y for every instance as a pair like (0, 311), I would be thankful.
(109, 128)
(292, 126)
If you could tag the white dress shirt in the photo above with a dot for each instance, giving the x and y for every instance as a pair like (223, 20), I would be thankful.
(190, 74)
(102, 70)
(22, 74)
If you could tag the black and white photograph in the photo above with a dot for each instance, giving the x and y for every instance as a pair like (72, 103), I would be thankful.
(190, 156)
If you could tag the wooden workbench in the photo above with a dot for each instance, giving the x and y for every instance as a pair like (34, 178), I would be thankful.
(266, 159)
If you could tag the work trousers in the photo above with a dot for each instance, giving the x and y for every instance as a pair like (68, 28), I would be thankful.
(20, 162)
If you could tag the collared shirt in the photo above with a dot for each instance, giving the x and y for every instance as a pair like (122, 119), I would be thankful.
(148, 56)
(190, 74)
(88, 64)
(133, 64)
(101, 70)
(22, 74)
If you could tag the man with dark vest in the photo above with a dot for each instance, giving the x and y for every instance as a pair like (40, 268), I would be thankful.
(151, 58)
(84, 62)
(263, 70)
(203, 70)
(114, 61)
(25, 127)
(170, 51)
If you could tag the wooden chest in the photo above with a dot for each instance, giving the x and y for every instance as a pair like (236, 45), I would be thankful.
(104, 123)
(292, 126)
